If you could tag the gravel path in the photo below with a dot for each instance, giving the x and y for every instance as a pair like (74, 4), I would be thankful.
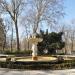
(37, 72)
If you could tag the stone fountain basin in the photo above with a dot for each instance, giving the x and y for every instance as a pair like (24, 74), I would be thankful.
(40, 58)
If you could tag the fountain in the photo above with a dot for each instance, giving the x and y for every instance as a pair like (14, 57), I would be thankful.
(34, 40)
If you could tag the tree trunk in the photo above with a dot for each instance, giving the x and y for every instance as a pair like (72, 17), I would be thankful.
(11, 45)
(72, 46)
(11, 40)
(17, 36)
(4, 43)
(28, 45)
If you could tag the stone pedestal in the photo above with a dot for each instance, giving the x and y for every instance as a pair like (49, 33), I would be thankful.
(34, 53)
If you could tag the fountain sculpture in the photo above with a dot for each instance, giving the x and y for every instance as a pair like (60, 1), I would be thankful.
(34, 40)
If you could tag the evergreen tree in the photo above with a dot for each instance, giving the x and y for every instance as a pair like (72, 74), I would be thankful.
(51, 42)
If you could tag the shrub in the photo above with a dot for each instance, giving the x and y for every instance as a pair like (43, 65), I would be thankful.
(26, 52)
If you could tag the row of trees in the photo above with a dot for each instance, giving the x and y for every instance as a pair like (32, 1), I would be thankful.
(30, 14)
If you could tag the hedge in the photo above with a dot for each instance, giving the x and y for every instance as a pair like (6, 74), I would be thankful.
(25, 52)
(36, 65)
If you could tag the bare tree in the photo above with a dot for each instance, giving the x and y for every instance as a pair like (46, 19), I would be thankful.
(44, 11)
(68, 36)
(72, 37)
(14, 9)
(11, 38)
(2, 34)
(72, 40)
(26, 31)
(6, 29)
(66, 29)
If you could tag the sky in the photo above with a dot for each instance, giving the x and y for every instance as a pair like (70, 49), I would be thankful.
(69, 9)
